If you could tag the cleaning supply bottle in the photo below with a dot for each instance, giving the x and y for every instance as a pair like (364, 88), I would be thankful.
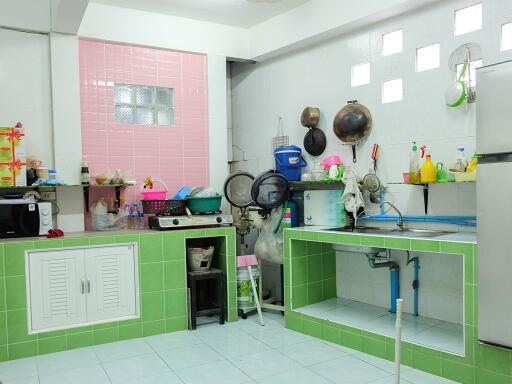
(428, 171)
(414, 164)
(462, 162)
(472, 166)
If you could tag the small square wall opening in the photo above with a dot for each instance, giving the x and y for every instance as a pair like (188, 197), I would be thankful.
(506, 37)
(428, 58)
(468, 19)
(392, 43)
(392, 91)
(360, 74)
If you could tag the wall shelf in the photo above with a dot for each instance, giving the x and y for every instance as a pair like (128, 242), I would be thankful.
(315, 185)
(117, 188)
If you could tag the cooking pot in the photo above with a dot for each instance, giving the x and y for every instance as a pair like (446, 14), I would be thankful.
(352, 123)
(315, 140)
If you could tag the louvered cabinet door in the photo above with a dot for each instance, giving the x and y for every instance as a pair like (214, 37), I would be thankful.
(111, 287)
(56, 282)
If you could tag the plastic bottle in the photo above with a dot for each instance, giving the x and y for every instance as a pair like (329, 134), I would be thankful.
(462, 162)
(474, 162)
(414, 164)
(84, 172)
(428, 171)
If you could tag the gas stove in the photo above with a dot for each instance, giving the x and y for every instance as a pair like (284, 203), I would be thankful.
(190, 221)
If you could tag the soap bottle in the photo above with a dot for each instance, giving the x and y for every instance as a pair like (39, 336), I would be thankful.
(462, 162)
(472, 166)
(428, 171)
(414, 164)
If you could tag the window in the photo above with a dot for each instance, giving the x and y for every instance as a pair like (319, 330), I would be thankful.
(360, 74)
(473, 65)
(427, 58)
(468, 19)
(392, 91)
(392, 43)
(144, 105)
(506, 37)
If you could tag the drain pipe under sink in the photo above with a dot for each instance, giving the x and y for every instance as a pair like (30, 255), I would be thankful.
(394, 270)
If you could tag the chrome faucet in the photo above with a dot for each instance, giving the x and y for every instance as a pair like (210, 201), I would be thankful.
(400, 222)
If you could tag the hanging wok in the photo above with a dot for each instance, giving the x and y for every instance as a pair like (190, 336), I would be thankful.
(315, 140)
(352, 123)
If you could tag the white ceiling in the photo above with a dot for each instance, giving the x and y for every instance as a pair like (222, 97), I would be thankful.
(240, 13)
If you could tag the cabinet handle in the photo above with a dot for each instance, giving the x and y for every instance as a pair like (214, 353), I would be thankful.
(88, 286)
(82, 286)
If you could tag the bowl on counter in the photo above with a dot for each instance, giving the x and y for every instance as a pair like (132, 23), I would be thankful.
(206, 204)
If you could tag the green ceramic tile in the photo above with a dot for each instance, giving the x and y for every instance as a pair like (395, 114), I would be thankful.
(287, 272)
(351, 340)
(426, 360)
(2, 294)
(459, 372)
(14, 257)
(3, 328)
(342, 238)
(331, 334)
(174, 274)
(329, 288)
(469, 266)
(101, 240)
(458, 248)
(55, 344)
(113, 324)
(194, 233)
(394, 243)
(375, 346)
(127, 239)
(48, 243)
(15, 292)
(4, 356)
(175, 303)
(329, 265)
(312, 328)
(299, 248)
(50, 335)
(299, 296)
(484, 376)
(72, 331)
(176, 324)
(108, 335)
(315, 273)
(475, 265)
(21, 350)
(309, 235)
(494, 359)
(425, 245)
(80, 340)
(152, 277)
(153, 306)
(293, 321)
(215, 232)
(151, 248)
(469, 298)
(373, 241)
(173, 246)
(2, 269)
(150, 328)
(17, 327)
(315, 292)
(76, 242)
(299, 270)
(314, 248)
(131, 331)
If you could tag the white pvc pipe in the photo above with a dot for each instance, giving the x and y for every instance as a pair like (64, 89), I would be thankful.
(398, 338)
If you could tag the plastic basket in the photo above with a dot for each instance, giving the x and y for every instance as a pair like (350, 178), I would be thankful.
(154, 194)
(164, 207)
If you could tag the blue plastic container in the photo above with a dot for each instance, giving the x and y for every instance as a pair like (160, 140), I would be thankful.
(289, 161)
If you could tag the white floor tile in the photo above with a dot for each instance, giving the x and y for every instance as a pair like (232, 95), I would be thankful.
(212, 332)
(265, 364)
(86, 375)
(419, 377)
(62, 361)
(239, 346)
(26, 380)
(280, 338)
(298, 376)
(122, 350)
(171, 340)
(386, 365)
(252, 324)
(219, 372)
(134, 368)
(191, 356)
(163, 378)
(17, 369)
(390, 380)
(312, 352)
(349, 370)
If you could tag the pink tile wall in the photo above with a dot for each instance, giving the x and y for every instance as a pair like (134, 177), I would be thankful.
(176, 154)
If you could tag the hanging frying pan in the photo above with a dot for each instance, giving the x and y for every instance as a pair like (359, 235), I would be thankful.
(315, 140)
(270, 190)
(352, 123)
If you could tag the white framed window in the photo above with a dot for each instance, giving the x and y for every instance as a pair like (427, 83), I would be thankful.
(428, 57)
(144, 105)
(506, 36)
(468, 19)
(392, 91)
(360, 74)
(392, 43)
(473, 65)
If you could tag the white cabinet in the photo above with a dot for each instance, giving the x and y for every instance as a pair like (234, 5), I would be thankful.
(80, 286)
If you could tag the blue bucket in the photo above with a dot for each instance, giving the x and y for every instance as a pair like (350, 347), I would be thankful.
(289, 161)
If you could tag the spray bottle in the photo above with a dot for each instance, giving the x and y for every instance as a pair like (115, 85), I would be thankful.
(414, 164)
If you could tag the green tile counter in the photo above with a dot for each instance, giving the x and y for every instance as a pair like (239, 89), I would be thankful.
(163, 292)
(310, 277)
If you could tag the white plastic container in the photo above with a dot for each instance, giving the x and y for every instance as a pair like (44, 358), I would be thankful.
(245, 295)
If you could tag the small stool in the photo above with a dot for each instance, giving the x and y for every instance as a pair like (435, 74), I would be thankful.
(192, 279)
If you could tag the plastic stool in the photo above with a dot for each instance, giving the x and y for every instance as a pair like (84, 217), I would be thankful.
(218, 308)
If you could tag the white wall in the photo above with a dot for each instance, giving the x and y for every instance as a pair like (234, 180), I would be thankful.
(33, 15)
(320, 76)
(26, 90)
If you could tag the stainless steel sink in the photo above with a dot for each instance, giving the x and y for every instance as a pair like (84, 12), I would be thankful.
(422, 233)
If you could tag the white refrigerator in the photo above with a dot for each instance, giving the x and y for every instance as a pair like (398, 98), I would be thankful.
(494, 203)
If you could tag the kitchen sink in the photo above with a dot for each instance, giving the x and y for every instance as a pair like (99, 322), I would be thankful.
(421, 233)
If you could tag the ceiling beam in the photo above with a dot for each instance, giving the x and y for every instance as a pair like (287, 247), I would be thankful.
(67, 15)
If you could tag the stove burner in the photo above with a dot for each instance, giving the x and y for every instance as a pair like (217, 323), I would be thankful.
(207, 213)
